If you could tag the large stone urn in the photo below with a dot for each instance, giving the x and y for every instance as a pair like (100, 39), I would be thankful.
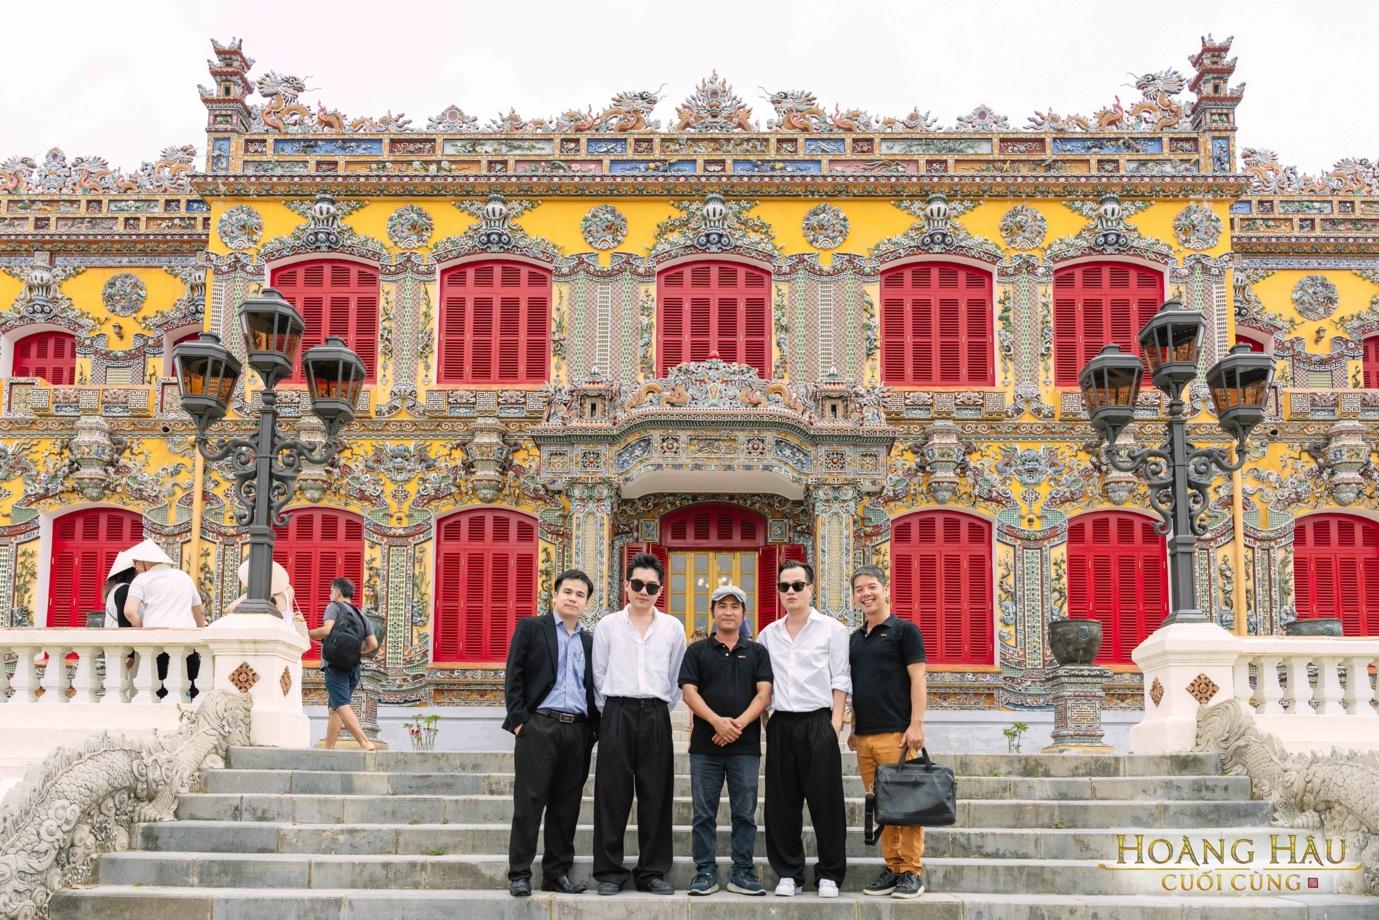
(1314, 626)
(1075, 642)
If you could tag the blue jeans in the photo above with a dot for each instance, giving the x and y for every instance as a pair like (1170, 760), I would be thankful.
(707, 773)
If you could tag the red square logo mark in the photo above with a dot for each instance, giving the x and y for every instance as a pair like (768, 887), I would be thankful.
(1313, 882)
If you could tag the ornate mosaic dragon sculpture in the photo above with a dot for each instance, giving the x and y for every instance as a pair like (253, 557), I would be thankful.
(84, 800)
(1336, 793)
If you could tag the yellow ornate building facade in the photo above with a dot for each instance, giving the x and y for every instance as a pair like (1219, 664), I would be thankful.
(729, 339)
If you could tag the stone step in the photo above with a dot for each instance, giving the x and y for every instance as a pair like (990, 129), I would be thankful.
(478, 809)
(948, 874)
(996, 765)
(327, 782)
(457, 839)
(141, 903)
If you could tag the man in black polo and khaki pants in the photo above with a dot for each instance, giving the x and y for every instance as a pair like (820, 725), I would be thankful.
(551, 709)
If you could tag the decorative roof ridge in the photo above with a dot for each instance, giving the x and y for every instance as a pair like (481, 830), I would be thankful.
(55, 175)
(1348, 176)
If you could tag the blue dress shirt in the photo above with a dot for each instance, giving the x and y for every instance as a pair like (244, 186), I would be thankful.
(568, 694)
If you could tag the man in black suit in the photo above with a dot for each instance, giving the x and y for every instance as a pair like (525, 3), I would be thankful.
(551, 709)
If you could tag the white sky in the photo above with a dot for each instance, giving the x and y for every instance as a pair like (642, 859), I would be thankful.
(118, 78)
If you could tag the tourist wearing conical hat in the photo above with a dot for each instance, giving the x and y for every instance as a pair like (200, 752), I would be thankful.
(162, 596)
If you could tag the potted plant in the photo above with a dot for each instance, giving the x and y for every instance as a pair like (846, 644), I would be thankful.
(422, 730)
(1075, 642)
(1313, 626)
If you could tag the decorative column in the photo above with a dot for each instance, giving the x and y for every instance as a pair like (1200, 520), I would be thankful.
(1025, 338)
(835, 513)
(1077, 694)
(591, 522)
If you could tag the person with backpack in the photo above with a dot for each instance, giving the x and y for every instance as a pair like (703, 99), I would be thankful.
(346, 636)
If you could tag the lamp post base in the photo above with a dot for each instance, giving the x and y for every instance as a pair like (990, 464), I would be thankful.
(1186, 666)
(261, 655)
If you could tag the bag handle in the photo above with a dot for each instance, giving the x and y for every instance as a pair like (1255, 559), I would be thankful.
(923, 758)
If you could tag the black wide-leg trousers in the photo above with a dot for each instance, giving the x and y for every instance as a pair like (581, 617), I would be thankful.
(804, 764)
(635, 755)
(551, 761)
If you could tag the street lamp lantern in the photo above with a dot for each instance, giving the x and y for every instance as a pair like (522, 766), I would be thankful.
(1170, 342)
(1179, 474)
(1239, 385)
(334, 378)
(1110, 386)
(272, 335)
(206, 376)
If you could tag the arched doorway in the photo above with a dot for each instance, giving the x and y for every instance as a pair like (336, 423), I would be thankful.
(705, 545)
(317, 546)
(84, 545)
(1336, 570)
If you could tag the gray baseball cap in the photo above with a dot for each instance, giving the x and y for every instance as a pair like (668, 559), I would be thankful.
(723, 591)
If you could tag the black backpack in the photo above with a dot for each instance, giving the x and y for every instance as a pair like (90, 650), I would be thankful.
(344, 646)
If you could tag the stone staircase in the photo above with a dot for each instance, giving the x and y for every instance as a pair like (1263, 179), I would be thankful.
(356, 836)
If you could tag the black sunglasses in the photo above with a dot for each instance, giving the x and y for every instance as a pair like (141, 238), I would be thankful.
(650, 587)
(786, 587)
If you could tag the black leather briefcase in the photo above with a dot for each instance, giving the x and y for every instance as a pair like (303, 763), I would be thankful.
(911, 793)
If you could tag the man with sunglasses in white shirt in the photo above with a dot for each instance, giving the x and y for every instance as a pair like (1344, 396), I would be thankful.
(809, 660)
(637, 655)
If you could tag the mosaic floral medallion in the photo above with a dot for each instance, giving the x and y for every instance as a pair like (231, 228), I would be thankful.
(124, 294)
(1156, 692)
(1202, 689)
(604, 227)
(244, 677)
(1315, 297)
(409, 227)
(1023, 227)
(240, 227)
(825, 227)
(1197, 227)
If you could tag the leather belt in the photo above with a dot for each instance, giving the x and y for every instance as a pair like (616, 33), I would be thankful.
(566, 718)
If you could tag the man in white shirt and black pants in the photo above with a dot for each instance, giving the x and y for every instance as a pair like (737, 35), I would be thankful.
(637, 654)
(809, 660)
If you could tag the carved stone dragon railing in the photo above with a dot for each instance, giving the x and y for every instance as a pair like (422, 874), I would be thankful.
(83, 801)
(1336, 793)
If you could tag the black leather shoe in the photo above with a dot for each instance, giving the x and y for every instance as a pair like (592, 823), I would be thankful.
(655, 886)
(520, 888)
(563, 885)
(606, 888)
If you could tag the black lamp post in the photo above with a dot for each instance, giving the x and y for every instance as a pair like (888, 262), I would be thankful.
(266, 468)
(1179, 473)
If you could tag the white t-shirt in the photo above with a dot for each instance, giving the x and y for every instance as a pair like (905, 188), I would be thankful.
(167, 595)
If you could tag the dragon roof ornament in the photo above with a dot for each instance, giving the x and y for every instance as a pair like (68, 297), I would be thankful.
(55, 175)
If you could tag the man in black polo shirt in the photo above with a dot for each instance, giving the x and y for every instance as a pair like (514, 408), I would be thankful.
(888, 700)
(726, 681)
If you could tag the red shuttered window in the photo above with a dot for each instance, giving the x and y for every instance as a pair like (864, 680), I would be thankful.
(769, 559)
(335, 298)
(84, 545)
(1336, 570)
(936, 326)
(708, 308)
(318, 546)
(1118, 574)
(50, 356)
(1371, 362)
(486, 565)
(1095, 304)
(713, 526)
(941, 582)
(495, 323)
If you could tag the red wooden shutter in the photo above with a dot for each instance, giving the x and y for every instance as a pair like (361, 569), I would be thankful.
(936, 326)
(1117, 574)
(1336, 571)
(48, 355)
(941, 582)
(495, 323)
(84, 545)
(1371, 362)
(708, 308)
(486, 569)
(318, 546)
(769, 558)
(713, 525)
(335, 297)
(1097, 303)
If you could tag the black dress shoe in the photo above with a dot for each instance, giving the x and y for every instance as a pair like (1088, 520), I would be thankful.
(520, 888)
(563, 885)
(655, 886)
(609, 888)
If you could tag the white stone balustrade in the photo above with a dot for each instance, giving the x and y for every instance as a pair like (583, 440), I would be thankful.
(31, 656)
(1314, 693)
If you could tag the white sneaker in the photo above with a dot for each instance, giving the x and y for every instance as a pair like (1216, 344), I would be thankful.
(786, 888)
(828, 888)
